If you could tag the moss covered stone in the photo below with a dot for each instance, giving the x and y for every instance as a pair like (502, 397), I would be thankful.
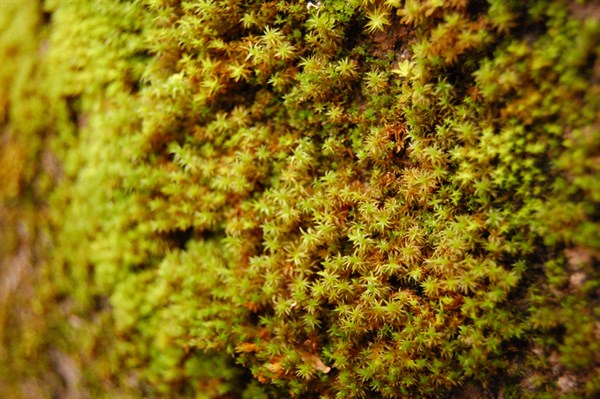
(334, 199)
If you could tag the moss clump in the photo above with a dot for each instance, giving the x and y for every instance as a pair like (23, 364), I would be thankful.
(335, 199)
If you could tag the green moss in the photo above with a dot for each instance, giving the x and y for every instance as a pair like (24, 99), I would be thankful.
(349, 199)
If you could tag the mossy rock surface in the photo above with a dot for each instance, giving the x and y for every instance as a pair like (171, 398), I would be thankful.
(335, 199)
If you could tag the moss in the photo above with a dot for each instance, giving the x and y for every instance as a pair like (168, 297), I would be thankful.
(335, 199)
